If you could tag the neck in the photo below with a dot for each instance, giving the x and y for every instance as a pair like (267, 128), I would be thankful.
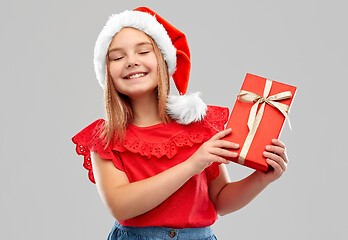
(145, 110)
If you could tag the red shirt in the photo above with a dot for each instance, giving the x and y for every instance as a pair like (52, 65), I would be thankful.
(147, 151)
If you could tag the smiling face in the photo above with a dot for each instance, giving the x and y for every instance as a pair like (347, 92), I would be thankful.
(133, 64)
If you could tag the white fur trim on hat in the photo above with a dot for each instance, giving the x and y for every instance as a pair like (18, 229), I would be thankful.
(186, 109)
(138, 20)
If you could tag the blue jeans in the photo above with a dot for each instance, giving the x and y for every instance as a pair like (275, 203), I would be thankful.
(156, 233)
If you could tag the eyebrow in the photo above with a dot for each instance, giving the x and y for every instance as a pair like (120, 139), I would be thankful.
(138, 45)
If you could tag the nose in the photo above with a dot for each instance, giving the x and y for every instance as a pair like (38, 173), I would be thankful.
(132, 61)
(129, 65)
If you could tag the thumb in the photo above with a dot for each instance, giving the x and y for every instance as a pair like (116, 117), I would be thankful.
(222, 134)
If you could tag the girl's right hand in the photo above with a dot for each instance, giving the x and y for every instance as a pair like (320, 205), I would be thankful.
(213, 151)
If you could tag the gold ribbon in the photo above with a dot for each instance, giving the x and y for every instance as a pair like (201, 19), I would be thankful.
(256, 116)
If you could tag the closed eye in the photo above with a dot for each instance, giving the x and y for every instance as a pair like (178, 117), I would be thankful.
(144, 52)
(116, 59)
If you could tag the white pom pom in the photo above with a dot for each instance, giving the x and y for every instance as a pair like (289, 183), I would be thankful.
(187, 108)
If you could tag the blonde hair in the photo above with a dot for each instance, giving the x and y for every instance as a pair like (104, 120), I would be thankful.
(117, 106)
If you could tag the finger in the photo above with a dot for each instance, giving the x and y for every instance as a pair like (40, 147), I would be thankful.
(225, 144)
(277, 150)
(276, 158)
(279, 143)
(223, 152)
(276, 168)
(220, 160)
(221, 134)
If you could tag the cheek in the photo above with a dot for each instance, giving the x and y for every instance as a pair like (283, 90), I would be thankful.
(115, 73)
(156, 74)
(117, 85)
(155, 62)
(151, 61)
(115, 69)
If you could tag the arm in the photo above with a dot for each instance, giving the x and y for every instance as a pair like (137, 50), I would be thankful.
(229, 196)
(126, 200)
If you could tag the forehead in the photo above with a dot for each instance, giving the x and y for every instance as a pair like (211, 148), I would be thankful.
(128, 37)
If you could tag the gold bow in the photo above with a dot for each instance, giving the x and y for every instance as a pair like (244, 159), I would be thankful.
(255, 116)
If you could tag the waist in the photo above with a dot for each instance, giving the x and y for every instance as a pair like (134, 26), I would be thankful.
(168, 233)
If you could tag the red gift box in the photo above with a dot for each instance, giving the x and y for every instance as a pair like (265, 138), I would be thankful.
(258, 116)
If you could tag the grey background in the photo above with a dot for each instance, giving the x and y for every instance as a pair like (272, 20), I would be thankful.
(49, 93)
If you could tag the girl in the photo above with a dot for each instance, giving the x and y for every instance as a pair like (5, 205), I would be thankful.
(158, 161)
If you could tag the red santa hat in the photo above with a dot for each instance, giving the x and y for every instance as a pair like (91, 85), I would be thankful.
(174, 47)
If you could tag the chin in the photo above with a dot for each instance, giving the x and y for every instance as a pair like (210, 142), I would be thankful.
(142, 93)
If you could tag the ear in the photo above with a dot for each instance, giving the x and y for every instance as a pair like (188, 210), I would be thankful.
(186, 109)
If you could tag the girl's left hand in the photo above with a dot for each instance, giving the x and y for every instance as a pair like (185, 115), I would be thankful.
(277, 159)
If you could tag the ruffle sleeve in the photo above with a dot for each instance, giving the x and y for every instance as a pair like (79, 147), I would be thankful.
(216, 118)
(88, 140)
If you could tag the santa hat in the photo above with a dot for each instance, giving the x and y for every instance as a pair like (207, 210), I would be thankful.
(174, 47)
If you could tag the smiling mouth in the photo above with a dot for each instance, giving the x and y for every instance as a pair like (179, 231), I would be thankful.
(136, 75)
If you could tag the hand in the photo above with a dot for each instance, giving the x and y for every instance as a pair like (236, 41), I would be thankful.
(277, 159)
(213, 151)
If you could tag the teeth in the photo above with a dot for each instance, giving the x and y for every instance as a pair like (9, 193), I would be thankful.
(137, 75)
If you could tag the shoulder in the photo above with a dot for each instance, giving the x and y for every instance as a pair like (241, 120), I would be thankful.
(217, 112)
(217, 116)
(90, 132)
(96, 124)
(89, 140)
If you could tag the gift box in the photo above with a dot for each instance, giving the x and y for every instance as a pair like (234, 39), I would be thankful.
(257, 117)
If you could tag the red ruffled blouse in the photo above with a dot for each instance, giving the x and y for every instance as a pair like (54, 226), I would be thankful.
(147, 151)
